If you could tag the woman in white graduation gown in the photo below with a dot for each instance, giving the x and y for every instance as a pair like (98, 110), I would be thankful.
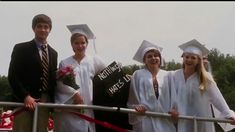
(85, 68)
(150, 91)
(196, 90)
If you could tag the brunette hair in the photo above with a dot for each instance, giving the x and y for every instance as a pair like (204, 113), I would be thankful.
(41, 18)
(74, 36)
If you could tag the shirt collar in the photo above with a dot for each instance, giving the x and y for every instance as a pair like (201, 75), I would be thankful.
(39, 44)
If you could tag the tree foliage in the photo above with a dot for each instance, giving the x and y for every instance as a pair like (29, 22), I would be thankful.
(5, 94)
(223, 70)
(130, 69)
(172, 66)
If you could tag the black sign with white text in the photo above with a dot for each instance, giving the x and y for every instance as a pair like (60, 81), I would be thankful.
(111, 88)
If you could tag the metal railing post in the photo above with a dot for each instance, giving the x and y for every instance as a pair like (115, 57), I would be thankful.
(35, 119)
(195, 124)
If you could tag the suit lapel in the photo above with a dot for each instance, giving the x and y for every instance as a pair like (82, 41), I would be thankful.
(35, 54)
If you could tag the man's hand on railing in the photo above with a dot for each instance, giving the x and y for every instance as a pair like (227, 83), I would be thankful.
(30, 103)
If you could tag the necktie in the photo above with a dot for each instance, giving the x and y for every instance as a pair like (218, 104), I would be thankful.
(44, 68)
(155, 86)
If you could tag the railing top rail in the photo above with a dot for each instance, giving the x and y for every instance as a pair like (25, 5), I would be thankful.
(117, 109)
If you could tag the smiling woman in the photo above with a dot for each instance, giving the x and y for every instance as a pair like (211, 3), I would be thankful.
(150, 90)
(85, 67)
(152, 57)
(197, 90)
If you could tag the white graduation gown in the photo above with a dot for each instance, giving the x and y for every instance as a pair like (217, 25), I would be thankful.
(193, 102)
(85, 71)
(142, 92)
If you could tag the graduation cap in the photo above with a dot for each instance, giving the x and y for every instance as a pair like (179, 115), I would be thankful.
(194, 47)
(82, 29)
(145, 47)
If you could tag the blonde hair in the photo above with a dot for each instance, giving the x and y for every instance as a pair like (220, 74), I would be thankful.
(204, 77)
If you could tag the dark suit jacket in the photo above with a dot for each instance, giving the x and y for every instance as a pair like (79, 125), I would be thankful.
(25, 71)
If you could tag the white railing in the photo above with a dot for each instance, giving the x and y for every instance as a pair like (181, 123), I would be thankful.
(112, 109)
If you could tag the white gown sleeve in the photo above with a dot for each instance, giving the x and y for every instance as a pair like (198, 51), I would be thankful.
(220, 107)
(133, 100)
(99, 64)
(226, 126)
(64, 93)
(219, 102)
(173, 95)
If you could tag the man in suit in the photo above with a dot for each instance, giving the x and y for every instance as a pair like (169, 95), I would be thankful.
(31, 80)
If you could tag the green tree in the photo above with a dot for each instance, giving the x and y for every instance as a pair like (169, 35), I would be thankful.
(5, 94)
(172, 65)
(223, 70)
(130, 69)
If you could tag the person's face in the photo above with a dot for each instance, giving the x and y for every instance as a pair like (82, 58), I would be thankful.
(42, 31)
(152, 59)
(79, 45)
(190, 60)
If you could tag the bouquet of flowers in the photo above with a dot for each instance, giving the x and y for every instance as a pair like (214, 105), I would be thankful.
(67, 76)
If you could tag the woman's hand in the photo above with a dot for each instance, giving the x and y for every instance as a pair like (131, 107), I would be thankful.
(233, 120)
(77, 99)
(140, 109)
(174, 115)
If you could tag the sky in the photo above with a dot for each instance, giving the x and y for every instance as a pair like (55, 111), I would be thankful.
(120, 27)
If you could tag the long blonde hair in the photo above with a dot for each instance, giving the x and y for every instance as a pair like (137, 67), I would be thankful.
(204, 77)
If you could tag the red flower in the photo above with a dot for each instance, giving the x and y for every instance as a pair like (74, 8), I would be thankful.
(50, 124)
(67, 76)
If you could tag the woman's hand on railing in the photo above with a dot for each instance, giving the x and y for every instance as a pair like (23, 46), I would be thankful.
(140, 108)
(233, 120)
(174, 115)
